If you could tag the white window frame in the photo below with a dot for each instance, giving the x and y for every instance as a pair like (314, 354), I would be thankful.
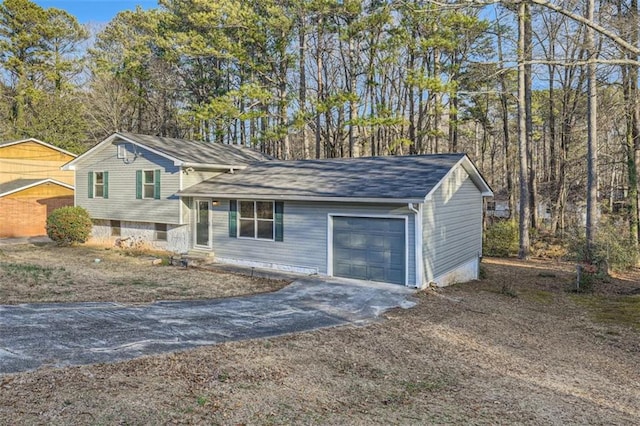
(145, 184)
(121, 151)
(96, 184)
(256, 220)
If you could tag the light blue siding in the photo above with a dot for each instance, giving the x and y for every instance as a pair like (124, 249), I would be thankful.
(305, 234)
(452, 225)
(122, 203)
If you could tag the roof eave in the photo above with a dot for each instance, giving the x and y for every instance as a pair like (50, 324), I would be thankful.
(34, 184)
(303, 198)
(214, 166)
(38, 141)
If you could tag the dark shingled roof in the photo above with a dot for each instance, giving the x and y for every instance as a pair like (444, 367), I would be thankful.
(190, 151)
(392, 177)
(19, 184)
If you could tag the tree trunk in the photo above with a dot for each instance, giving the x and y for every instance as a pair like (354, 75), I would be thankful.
(504, 105)
(592, 129)
(320, 85)
(303, 85)
(523, 252)
(531, 157)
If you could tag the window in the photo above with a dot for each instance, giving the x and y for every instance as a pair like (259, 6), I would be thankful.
(491, 205)
(122, 151)
(161, 232)
(256, 220)
(98, 185)
(115, 228)
(148, 184)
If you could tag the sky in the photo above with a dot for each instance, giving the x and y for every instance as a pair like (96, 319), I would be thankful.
(97, 11)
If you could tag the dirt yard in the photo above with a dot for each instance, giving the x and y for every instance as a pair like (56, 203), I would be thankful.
(515, 347)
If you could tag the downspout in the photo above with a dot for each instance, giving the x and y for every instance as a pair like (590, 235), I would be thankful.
(417, 227)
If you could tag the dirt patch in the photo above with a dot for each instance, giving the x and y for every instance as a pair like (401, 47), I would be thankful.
(513, 348)
(47, 273)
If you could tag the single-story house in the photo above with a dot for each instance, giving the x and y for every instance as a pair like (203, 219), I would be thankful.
(410, 220)
(32, 186)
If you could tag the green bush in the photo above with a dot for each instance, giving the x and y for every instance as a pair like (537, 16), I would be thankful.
(501, 239)
(612, 248)
(69, 225)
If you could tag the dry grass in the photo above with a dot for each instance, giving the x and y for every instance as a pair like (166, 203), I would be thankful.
(469, 354)
(47, 273)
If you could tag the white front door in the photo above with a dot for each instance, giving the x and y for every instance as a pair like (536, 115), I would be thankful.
(202, 222)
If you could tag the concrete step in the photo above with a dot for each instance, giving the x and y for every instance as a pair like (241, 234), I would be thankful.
(194, 258)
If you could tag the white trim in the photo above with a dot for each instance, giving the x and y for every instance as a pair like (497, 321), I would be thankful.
(473, 173)
(230, 167)
(417, 239)
(121, 151)
(404, 217)
(276, 197)
(255, 221)
(176, 161)
(40, 182)
(64, 151)
(144, 183)
(181, 204)
(94, 182)
(194, 229)
(71, 165)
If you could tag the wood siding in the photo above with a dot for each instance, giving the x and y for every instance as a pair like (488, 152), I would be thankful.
(122, 203)
(304, 235)
(30, 160)
(452, 225)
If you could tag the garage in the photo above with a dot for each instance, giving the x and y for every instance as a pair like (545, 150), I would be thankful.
(369, 248)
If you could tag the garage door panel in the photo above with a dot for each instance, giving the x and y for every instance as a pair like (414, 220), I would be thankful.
(369, 248)
(396, 275)
(358, 241)
(377, 273)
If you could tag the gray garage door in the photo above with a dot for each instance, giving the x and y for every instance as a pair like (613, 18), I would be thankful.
(369, 248)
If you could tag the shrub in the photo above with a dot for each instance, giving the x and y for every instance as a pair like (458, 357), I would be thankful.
(611, 249)
(501, 239)
(69, 225)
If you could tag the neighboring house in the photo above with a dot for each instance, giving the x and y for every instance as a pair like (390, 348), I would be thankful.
(32, 186)
(409, 220)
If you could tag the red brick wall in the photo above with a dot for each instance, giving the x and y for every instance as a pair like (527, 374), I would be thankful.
(28, 217)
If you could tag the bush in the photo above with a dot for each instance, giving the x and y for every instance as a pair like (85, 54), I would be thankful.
(501, 239)
(611, 249)
(69, 225)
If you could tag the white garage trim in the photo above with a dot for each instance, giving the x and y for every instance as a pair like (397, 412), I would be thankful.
(330, 217)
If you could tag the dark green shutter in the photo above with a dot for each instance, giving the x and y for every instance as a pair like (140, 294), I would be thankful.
(156, 184)
(279, 220)
(90, 184)
(233, 218)
(105, 184)
(139, 184)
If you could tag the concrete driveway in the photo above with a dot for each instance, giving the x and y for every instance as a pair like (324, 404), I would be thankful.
(84, 333)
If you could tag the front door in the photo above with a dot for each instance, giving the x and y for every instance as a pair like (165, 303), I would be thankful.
(203, 238)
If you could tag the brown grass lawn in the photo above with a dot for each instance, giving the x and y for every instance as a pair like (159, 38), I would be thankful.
(48, 273)
(514, 348)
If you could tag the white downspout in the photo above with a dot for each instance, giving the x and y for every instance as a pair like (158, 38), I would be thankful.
(417, 227)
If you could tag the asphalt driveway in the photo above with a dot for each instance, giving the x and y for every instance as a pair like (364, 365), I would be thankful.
(85, 333)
